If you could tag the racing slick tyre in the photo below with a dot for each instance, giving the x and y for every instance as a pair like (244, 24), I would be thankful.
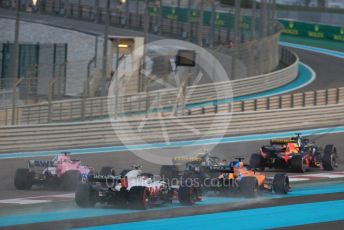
(51, 181)
(329, 158)
(169, 174)
(257, 162)
(70, 180)
(23, 179)
(106, 171)
(249, 186)
(187, 195)
(298, 164)
(139, 197)
(280, 184)
(85, 196)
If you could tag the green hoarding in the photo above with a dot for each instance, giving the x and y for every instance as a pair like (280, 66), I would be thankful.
(226, 20)
(153, 11)
(175, 14)
(221, 19)
(309, 30)
(194, 16)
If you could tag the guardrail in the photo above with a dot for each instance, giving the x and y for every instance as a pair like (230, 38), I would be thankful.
(305, 99)
(144, 103)
(76, 110)
(156, 130)
(182, 21)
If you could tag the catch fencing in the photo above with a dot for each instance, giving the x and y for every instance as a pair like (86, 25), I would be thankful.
(149, 103)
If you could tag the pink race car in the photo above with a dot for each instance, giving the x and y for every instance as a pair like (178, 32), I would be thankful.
(61, 172)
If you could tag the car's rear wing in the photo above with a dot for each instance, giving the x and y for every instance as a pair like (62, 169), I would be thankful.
(111, 181)
(186, 159)
(282, 141)
(41, 163)
(221, 169)
(103, 178)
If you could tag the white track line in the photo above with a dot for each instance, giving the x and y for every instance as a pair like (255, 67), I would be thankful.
(37, 199)
(293, 179)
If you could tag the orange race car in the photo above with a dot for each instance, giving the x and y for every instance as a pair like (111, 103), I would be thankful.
(238, 177)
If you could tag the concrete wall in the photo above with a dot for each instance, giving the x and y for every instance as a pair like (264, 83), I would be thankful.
(80, 47)
(251, 58)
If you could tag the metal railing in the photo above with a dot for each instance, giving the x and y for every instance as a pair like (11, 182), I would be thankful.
(133, 18)
(298, 100)
(155, 130)
(151, 102)
(92, 108)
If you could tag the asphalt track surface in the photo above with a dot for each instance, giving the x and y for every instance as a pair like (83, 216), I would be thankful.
(262, 217)
(119, 161)
(321, 196)
(329, 72)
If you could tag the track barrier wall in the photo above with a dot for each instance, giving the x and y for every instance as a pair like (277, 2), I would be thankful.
(311, 30)
(147, 103)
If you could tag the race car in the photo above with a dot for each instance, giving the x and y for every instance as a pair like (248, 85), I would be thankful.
(183, 164)
(131, 188)
(239, 178)
(62, 172)
(296, 153)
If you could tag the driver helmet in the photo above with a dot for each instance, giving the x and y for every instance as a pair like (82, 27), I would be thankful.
(235, 164)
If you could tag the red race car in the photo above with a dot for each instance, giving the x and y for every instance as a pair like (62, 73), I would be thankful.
(296, 153)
